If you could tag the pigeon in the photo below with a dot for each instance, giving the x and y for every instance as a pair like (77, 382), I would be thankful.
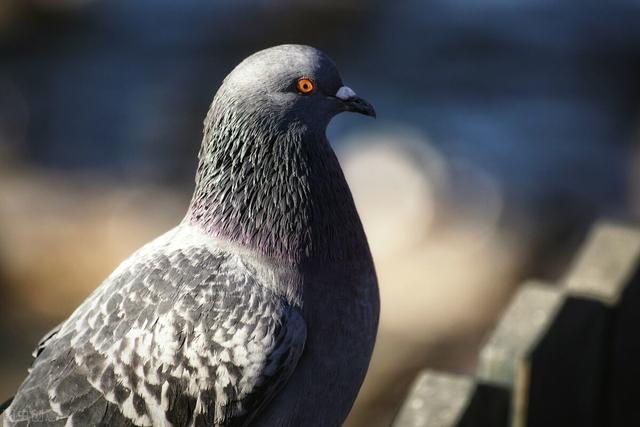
(260, 308)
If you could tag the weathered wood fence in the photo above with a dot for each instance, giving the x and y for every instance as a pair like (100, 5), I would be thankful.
(561, 355)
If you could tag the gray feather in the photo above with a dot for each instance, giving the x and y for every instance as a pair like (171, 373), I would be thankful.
(184, 332)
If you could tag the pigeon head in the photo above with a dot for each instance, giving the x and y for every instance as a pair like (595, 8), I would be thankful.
(293, 83)
(267, 177)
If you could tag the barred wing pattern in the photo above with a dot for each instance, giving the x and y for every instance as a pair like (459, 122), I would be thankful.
(181, 334)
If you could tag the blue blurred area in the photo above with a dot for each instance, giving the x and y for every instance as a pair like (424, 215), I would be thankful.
(541, 94)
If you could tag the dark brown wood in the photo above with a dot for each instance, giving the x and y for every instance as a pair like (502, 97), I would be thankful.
(489, 407)
(566, 383)
(624, 377)
(608, 271)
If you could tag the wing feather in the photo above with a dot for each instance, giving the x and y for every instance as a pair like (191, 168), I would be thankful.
(179, 335)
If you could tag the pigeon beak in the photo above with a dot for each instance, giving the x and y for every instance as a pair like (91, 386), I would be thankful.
(353, 102)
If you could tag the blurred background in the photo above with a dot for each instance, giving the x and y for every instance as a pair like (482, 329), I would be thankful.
(504, 129)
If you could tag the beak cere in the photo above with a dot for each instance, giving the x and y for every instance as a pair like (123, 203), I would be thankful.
(345, 92)
(353, 102)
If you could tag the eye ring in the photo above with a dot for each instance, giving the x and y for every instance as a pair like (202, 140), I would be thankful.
(305, 86)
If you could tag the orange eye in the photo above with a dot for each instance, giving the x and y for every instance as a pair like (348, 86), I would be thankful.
(305, 86)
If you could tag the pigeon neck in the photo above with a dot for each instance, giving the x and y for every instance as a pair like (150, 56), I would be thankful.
(280, 192)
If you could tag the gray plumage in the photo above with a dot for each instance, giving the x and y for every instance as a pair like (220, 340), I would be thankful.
(260, 308)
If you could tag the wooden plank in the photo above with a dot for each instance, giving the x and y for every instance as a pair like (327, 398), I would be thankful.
(566, 368)
(435, 400)
(624, 373)
(526, 318)
(608, 270)
(606, 262)
(440, 399)
(505, 358)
